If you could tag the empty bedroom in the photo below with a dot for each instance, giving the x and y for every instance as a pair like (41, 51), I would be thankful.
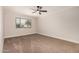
(40, 29)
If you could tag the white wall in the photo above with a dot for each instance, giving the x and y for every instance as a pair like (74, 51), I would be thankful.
(63, 23)
(10, 26)
(59, 22)
(1, 30)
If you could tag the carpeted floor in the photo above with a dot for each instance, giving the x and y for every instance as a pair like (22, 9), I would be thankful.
(36, 43)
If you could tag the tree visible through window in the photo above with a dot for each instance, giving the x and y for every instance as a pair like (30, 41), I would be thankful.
(23, 22)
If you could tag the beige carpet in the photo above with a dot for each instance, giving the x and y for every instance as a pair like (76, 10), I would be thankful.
(36, 43)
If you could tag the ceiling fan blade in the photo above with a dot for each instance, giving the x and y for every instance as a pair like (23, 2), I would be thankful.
(43, 10)
(40, 13)
(34, 9)
(34, 12)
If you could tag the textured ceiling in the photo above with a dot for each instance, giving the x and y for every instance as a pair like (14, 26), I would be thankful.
(28, 9)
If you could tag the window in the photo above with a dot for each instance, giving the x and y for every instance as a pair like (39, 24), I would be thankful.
(23, 22)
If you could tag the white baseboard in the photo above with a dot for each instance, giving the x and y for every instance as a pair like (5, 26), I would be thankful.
(74, 41)
(18, 35)
(66, 39)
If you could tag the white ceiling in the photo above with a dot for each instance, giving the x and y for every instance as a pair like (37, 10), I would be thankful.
(28, 9)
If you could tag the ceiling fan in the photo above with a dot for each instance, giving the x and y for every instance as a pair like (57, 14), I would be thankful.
(39, 10)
